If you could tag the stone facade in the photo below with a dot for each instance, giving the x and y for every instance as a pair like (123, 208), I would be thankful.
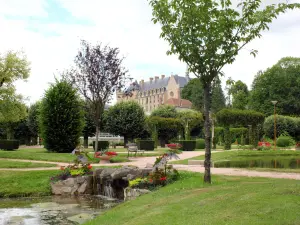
(157, 91)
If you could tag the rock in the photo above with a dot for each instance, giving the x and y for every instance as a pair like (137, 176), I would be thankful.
(130, 177)
(107, 172)
(82, 188)
(146, 171)
(124, 171)
(80, 218)
(69, 182)
(97, 172)
(131, 193)
(80, 180)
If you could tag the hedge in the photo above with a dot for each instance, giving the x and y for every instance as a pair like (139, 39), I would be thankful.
(285, 141)
(200, 143)
(187, 145)
(102, 145)
(9, 144)
(147, 145)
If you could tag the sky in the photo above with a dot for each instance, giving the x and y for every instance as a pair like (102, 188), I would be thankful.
(49, 33)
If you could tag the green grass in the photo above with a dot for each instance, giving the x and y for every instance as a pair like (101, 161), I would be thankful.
(229, 200)
(15, 164)
(245, 155)
(25, 183)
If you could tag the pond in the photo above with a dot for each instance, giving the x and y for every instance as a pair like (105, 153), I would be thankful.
(54, 210)
(287, 163)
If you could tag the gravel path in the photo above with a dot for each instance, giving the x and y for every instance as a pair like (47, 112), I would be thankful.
(143, 161)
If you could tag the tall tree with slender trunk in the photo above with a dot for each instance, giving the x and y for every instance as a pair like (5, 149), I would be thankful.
(208, 34)
(99, 72)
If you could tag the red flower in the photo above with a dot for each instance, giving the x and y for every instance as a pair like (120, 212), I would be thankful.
(62, 168)
(163, 179)
(150, 180)
(89, 167)
(111, 153)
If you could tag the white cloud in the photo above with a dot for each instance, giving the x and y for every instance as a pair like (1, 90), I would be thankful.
(125, 24)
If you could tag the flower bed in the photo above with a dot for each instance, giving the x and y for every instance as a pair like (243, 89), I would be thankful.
(264, 145)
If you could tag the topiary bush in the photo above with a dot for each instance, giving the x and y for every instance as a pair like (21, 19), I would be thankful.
(147, 145)
(187, 145)
(61, 117)
(285, 141)
(200, 143)
(102, 145)
(9, 144)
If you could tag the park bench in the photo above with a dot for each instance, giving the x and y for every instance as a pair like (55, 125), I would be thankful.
(132, 147)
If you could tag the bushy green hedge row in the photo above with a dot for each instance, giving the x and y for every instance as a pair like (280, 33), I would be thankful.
(9, 144)
(288, 124)
(102, 145)
(285, 141)
(147, 145)
(187, 145)
(200, 143)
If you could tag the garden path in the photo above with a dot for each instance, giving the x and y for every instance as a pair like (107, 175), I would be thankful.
(143, 161)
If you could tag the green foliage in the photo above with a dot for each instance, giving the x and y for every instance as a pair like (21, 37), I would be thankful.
(189, 119)
(126, 119)
(200, 143)
(136, 182)
(165, 111)
(9, 144)
(147, 145)
(285, 141)
(291, 125)
(227, 138)
(236, 117)
(240, 95)
(102, 145)
(13, 66)
(280, 83)
(61, 118)
(193, 91)
(32, 120)
(187, 145)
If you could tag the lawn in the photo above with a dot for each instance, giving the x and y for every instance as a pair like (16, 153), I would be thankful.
(229, 200)
(25, 183)
(246, 155)
(15, 164)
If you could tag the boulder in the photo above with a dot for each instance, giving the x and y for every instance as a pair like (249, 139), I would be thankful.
(132, 193)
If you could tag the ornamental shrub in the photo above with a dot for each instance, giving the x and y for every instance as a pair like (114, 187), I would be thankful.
(147, 145)
(102, 145)
(9, 144)
(285, 141)
(187, 145)
(61, 117)
(200, 143)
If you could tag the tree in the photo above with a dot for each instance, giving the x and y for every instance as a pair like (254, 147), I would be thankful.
(98, 74)
(13, 66)
(281, 83)
(189, 119)
(89, 127)
(126, 119)
(12, 110)
(208, 34)
(229, 84)
(193, 91)
(240, 95)
(61, 117)
(32, 120)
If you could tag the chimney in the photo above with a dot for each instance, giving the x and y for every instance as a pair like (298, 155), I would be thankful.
(162, 76)
(151, 79)
(142, 83)
(156, 79)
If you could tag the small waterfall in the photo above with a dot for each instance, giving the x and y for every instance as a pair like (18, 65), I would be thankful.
(108, 190)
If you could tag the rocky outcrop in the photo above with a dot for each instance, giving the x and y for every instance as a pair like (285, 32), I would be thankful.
(132, 193)
(73, 186)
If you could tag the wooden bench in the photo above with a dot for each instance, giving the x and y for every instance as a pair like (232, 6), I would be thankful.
(132, 147)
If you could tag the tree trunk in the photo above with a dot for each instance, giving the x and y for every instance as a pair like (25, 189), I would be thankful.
(125, 140)
(86, 141)
(97, 137)
(207, 105)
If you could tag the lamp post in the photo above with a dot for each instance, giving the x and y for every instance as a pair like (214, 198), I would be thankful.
(274, 103)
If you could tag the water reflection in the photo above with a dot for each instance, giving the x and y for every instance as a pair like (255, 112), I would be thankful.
(260, 163)
(52, 210)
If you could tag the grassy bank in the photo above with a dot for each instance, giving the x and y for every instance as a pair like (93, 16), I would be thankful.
(246, 155)
(25, 183)
(16, 164)
(229, 200)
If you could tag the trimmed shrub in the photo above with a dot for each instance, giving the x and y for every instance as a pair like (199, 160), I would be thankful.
(102, 145)
(285, 141)
(61, 117)
(227, 139)
(200, 143)
(9, 144)
(147, 145)
(187, 145)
